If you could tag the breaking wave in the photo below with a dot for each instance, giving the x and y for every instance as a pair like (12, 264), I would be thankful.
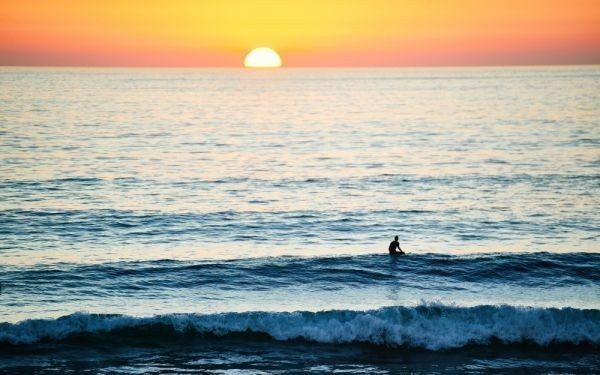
(428, 326)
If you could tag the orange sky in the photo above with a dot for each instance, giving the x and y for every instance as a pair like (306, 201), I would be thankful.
(304, 32)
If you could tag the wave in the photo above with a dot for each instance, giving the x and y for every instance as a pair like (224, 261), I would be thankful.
(422, 271)
(429, 326)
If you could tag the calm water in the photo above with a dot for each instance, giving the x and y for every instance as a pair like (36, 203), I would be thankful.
(238, 220)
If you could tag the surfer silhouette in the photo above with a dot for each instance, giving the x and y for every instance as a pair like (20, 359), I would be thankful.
(395, 245)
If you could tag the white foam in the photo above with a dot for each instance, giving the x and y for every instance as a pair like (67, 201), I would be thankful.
(430, 326)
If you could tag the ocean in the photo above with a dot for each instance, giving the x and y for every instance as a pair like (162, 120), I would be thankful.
(235, 221)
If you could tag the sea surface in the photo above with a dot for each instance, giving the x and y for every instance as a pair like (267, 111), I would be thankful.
(236, 221)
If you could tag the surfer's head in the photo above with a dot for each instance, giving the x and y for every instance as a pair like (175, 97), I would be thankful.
(396, 238)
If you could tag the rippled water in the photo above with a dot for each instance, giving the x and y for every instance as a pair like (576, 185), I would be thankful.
(190, 194)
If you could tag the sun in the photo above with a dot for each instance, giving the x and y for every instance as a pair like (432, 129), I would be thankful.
(262, 57)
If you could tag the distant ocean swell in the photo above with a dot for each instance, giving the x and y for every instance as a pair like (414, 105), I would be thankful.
(428, 326)
(544, 270)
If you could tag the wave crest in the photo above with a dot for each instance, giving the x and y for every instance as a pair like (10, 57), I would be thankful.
(429, 326)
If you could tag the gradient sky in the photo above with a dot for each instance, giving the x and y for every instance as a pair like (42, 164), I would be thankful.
(304, 32)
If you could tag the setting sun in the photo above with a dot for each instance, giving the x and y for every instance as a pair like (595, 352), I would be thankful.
(262, 58)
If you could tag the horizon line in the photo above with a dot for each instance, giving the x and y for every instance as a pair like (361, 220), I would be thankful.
(302, 67)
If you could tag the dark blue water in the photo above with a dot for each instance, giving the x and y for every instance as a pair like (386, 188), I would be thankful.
(404, 336)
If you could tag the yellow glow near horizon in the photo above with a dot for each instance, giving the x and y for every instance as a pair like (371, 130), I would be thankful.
(262, 58)
(306, 32)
